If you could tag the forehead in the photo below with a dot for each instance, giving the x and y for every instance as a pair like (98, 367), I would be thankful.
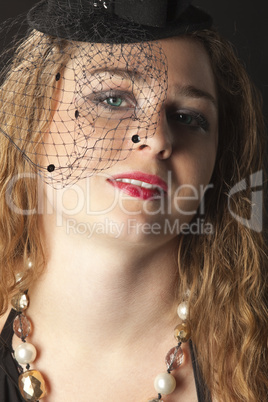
(180, 60)
(146, 58)
(188, 64)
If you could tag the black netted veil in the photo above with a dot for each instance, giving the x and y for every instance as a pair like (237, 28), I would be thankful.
(74, 108)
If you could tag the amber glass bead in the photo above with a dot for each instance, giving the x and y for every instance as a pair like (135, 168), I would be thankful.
(19, 277)
(20, 302)
(21, 326)
(174, 358)
(182, 332)
(32, 385)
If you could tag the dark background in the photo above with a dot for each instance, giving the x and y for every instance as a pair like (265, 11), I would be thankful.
(243, 22)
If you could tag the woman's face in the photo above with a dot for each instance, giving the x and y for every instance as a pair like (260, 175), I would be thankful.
(168, 99)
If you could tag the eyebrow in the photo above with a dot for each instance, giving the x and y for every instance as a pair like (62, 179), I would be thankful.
(189, 91)
(128, 74)
(192, 92)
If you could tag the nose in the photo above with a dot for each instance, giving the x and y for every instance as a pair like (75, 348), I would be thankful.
(159, 143)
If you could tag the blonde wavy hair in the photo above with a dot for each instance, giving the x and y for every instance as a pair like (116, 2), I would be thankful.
(226, 271)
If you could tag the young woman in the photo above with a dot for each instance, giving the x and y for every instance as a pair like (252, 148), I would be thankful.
(128, 138)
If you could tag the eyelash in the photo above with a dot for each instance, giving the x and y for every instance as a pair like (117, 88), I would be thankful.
(100, 98)
(201, 121)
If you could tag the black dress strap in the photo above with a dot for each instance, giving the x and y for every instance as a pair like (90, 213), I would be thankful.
(203, 394)
(9, 390)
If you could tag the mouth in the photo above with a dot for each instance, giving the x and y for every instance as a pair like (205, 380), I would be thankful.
(140, 185)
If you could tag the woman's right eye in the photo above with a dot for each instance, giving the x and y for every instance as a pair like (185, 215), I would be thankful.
(114, 100)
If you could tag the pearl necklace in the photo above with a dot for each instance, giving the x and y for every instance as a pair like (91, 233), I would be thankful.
(31, 383)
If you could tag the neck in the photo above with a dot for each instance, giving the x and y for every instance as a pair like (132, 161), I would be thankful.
(105, 285)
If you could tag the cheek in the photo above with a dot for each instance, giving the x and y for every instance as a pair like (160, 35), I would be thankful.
(57, 148)
(192, 173)
(194, 164)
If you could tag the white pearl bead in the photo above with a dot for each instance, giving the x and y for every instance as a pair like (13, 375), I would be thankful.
(29, 263)
(164, 383)
(183, 310)
(25, 353)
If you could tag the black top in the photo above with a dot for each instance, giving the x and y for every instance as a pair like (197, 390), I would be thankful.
(9, 370)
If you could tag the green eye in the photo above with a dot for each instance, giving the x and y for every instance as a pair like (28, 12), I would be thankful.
(190, 119)
(114, 101)
(184, 118)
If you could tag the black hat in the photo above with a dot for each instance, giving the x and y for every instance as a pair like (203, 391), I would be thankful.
(117, 21)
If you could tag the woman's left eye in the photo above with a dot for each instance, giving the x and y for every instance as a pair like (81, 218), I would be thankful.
(191, 119)
(184, 118)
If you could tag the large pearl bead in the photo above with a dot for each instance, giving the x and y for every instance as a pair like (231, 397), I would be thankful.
(164, 383)
(25, 353)
(183, 310)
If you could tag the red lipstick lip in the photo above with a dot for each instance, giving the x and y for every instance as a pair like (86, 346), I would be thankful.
(147, 178)
(137, 191)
